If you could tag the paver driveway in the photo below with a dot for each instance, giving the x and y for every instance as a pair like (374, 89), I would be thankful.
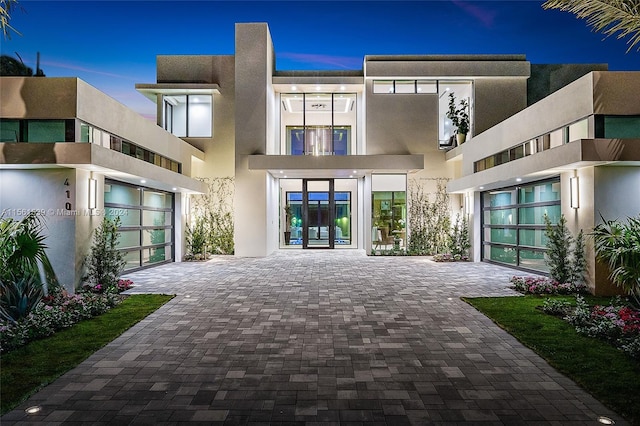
(316, 337)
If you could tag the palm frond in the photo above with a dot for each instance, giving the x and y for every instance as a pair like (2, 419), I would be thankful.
(606, 16)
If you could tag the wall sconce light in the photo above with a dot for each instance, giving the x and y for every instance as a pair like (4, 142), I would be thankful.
(575, 199)
(93, 194)
(467, 204)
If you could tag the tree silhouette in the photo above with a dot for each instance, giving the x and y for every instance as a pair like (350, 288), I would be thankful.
(12, 66)
(606, 16)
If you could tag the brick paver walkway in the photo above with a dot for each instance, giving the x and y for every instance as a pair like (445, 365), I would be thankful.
(316, 337)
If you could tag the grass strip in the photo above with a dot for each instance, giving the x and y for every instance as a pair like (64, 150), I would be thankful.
(29, 368)
(602, 370)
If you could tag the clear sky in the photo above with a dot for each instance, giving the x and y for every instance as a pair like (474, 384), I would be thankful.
(113, 44)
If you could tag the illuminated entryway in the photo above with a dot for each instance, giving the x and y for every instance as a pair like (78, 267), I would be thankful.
(320, 213)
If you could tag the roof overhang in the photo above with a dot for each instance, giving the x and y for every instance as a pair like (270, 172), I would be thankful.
(151, 90)
(574, 155)
(335, 166)
(91, 157)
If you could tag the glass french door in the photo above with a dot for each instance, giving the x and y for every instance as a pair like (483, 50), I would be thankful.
(318, 213)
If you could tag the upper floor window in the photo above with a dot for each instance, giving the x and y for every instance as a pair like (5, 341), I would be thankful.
(188, 115)
(318, 123)
(405, 86)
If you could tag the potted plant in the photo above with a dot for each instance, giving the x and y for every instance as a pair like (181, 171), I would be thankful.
(287, 223)
(459, 117)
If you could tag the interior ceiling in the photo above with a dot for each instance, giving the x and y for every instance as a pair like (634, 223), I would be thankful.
(318, 103)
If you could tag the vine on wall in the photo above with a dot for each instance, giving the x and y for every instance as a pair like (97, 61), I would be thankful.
(429, 217)
(212, 213)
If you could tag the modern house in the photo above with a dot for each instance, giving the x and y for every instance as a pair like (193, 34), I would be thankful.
(345, 150)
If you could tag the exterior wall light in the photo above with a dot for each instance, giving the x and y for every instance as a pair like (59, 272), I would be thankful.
(575, 197)
(93, 194)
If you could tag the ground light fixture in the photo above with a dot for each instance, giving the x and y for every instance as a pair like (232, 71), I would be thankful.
(606, 420)
(33, 409)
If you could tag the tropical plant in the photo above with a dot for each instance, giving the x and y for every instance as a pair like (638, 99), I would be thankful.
(23, 255)
(6, 9)
(23, 251)
(105, 262)
(606, 16)
(565, 254)
(618, 245)
(18, 297)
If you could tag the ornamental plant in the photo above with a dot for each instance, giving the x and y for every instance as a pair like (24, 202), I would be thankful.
(565, 254)
(105, 262)
(545, 285)
(618, 245)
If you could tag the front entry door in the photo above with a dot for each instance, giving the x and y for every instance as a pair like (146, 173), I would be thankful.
(318, 213)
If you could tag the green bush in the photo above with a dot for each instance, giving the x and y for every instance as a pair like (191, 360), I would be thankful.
(105, 262)
(618, 245)
(565, 254)
(22, 256)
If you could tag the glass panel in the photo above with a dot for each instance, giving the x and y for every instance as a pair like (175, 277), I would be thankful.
(579, 130)
(200, 115)
(533, 238)
(405, 87)
(380, 86)
(132, 259)
(156, 236)
(344, 122)
(426, 87)
(120, 194)
(86, 134)
(500, 217)
(46, 131)
(532, 260)
(159, 200)
(549, 191)
(294, 199)
(622, 127)
(556, 138)
(129, 239)
(389, 217)
(500, 254)
(128, 217)
(500, 198)
(500, 235)
(535, 215)
(154, 218)
(155, 254)
(9, 130)
(343, 217)
(295, 140)
(176, 114)
(461, 90)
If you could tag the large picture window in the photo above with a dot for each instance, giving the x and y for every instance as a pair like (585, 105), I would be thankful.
(513, 223)
(188, 115)
(146, 223)
(318, 124)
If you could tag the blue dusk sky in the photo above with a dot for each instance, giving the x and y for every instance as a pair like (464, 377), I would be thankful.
(113, 44)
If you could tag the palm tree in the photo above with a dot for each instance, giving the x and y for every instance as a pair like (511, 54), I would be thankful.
(6, 7)
(606, 16)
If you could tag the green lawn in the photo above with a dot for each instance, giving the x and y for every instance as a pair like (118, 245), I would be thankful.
(604, 371)
(27, 369)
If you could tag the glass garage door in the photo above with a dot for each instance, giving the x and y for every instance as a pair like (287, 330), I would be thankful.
(146, 223)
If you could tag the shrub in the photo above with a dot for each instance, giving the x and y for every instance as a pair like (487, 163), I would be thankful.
(556, 307)
(618, 245)
(105, 262)
(565, 254)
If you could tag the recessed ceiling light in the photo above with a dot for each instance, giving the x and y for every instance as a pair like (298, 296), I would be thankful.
(355, 171)
(281, 171)
(317, 87)
(285, 175)
(482, 187)
(174, 189)
(606, 420)
(33, 410)
(294, 88)
(519, 180)
(350, 176)
(143, 181)
(342, 88)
